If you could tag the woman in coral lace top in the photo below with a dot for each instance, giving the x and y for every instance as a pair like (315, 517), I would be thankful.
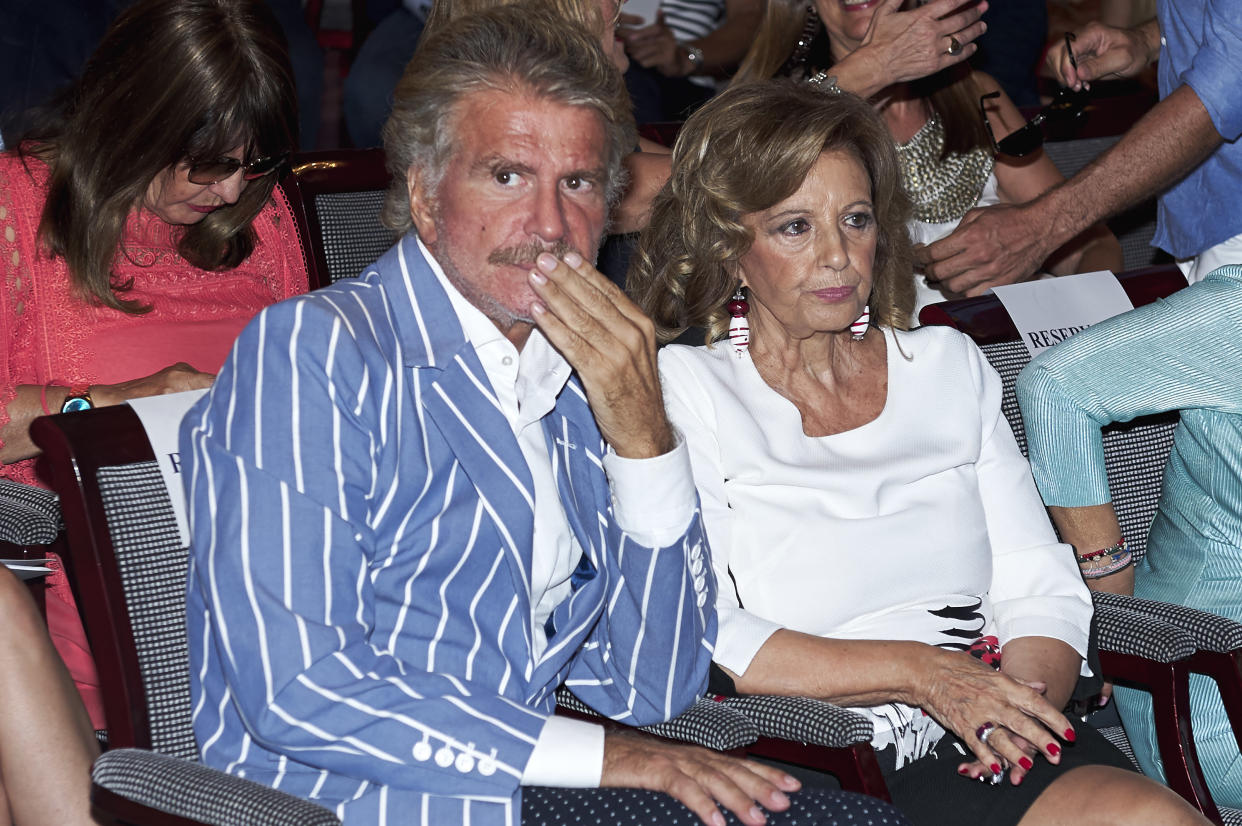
(140, 229)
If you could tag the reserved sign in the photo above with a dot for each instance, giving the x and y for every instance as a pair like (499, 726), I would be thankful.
(161, 417)
(1048, 311)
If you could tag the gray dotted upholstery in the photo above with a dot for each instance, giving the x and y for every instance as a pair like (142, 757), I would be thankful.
(1131, 632)
(28, 515)
(1210, 631)
(193, 791)
(804, 720)
(706, 723)
(1134, 228)
(350, 231)
(153, 567)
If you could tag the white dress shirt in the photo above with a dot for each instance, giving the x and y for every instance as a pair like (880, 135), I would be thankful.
(653, 501)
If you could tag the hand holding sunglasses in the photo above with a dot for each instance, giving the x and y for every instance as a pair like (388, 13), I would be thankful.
(1067, 105)
(1103, 52)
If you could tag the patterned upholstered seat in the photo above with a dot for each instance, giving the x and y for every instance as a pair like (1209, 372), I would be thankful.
(336, 199)
(131, 576)
(1152, 644)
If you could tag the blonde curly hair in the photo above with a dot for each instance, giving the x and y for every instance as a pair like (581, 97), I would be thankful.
(745, 151)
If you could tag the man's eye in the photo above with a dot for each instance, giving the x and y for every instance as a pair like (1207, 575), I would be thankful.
(576, 182)
(505, 178)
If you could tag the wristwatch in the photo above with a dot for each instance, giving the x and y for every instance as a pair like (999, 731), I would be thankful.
(79, 399)
(695, 56)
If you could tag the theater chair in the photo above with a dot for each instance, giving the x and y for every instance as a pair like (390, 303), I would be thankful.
(1149, 644)
(336, 197)
(123, 538)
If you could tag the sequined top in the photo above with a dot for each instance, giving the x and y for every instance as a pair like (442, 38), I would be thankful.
(51, 335)
(941, 190)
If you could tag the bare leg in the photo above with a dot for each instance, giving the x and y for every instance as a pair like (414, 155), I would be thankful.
(46, 740)
(1104, 796)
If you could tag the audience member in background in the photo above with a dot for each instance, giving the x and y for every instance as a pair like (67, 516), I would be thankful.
(377, 67)
(948, 162)
(826, 443)
(43, 47)
(1182, 353)
(1186, 147)
(140, 229)
(448, 563)
(674, 61)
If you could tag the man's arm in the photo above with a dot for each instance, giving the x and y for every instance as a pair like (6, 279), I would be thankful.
(1005, 244)
(288, 554)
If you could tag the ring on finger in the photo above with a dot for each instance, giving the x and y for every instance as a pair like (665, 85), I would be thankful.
(985, 731)
(955, 47)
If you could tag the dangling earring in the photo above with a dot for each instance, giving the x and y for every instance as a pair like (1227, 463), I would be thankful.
(859, 328)
(739, 327)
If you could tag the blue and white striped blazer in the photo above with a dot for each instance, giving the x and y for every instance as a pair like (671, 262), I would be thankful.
(359, 595)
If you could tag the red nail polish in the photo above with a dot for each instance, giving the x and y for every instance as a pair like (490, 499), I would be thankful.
(1026, 763)
(995, 767)
(1054, 749)
(1070, 735)
(963, 770)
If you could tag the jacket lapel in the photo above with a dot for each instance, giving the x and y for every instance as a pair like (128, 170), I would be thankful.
(458, 398)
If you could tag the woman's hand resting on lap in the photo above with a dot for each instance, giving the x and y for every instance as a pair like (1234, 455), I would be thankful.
(176, 378)
(963, 693)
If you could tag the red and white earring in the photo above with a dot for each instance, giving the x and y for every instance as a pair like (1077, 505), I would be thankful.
(739, 327)
(859, 328)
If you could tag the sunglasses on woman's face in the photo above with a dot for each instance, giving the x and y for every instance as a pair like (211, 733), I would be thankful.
(206, 173)
(1066, 105)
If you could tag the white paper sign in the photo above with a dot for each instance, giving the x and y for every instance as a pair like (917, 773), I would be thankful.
(161, 417)
(1051, 310)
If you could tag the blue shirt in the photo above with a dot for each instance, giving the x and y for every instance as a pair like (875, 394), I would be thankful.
(1202, 48)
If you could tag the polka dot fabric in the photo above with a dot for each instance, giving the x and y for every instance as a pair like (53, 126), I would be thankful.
(542, 806)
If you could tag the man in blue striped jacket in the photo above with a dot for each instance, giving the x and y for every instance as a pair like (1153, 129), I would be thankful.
(423, 500)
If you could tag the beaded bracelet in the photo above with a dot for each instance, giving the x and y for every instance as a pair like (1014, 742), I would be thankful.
(1105, 561)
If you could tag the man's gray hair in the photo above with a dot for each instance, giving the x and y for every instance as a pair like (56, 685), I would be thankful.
(525, 47)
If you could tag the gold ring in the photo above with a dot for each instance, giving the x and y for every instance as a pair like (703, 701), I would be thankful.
(955, 47)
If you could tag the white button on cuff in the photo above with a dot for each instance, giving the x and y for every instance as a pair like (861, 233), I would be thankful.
(487, 765)
(696, 567)
(700, 582)
(464, 763)
(422, 751)
(444, 757)
(702, 599)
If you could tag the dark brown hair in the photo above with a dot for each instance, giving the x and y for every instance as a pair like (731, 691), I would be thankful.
(745, 151)
(172, 80)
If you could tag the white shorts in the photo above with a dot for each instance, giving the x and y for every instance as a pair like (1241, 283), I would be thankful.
(1226, 252)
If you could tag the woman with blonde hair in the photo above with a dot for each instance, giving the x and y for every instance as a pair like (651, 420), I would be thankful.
(825, 443)
(949, 161)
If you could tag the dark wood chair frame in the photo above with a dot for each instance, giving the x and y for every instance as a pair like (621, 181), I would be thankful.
(322, 173)
(986, 321)
(75, 446)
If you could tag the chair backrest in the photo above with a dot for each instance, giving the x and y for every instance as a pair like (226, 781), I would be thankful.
(1135, 452)
(336, 198)
(129, 570)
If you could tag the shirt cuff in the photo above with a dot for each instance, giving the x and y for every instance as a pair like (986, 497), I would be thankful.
(740, 637)
(569, 754)
(653, 500)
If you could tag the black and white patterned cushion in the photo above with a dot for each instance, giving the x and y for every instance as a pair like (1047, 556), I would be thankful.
(1135, 453)
(804, 720)
(351, 233)
(194, 791)
(1209, 631)
(153, 568)
(706, 723)
(28, 515)
(1130, 632)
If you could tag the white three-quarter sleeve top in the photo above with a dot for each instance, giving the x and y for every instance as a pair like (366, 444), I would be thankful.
(923, 524)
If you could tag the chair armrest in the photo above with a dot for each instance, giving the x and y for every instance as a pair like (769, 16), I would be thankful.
(707, 723)
(803, 719)
(150, 787)
(28, 515)
(1209, 631)
(1137, 634)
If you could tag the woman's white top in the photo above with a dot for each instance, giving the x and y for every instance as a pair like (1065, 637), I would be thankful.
(924, 232)
(923, 524)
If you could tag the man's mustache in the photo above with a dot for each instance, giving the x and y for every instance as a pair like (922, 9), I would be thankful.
(524, 255)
